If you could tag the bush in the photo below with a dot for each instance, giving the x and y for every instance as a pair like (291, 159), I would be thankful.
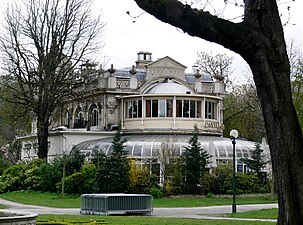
(214, 182)
(246, 183)
(80, 182)
(219, 182)
(139, 179)
(23, 176)
(50, 174)
(155, 192)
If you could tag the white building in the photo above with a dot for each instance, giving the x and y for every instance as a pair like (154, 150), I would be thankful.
(155, 101)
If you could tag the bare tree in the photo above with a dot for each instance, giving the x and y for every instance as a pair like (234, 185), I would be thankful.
(43, 42)
(243, 112)
(259, 39)
(296, 76)
(218, 66)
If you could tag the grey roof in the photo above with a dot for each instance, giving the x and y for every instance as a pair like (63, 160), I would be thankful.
(124, 73)
(141, 74)
(205, 78)
(148, 146)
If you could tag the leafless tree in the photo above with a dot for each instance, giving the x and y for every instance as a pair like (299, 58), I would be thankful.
(42, 43)
(218, 66)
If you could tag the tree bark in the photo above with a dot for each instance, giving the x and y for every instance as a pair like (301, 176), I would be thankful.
(42, 133)
(259, 39)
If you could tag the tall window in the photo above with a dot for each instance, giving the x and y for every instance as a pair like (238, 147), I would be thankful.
(159, 108)
(210, 110)
(94, 116)
(154, 108)
(79, 118)
(169, 106)
(188, 108)
(162, 108)
(134, 109)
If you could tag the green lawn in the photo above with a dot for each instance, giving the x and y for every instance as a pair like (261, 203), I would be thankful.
(198, 202)
(2, 207)
(136, 220)
(56, 200)
(42, 199)
(258, 214)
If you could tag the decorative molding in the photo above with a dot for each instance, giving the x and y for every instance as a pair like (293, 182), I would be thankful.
(111, 105)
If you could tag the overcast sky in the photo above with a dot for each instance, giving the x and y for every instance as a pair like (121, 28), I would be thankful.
(123, 38)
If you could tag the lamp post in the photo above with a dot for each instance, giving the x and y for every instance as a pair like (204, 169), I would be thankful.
(233, 135)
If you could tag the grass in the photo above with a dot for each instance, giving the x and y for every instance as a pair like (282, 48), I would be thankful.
(200, 202)
(56, 200)
(258, 214)
(3, 207)
(42, 199)
(137, 220)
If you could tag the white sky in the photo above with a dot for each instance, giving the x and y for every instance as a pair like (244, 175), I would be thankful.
(123, 38)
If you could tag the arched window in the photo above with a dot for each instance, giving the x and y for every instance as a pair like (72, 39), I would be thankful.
(79, 118)
(94, 116)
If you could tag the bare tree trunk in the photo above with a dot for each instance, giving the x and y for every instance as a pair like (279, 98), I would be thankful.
(284, 136)
(42, 138)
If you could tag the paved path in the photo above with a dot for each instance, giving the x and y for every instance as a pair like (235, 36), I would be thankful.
(195, 212)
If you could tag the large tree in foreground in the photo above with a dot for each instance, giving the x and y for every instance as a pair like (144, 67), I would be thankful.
(42, 43)
(259, 39)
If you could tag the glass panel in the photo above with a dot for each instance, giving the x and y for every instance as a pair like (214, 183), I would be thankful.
(162, 108)
(199, 115)
(169, 104)
(154, 108)
(135, 109)
(128, 148)
(209, 110)
(179, 108)
(245, 153)
(185, 108)
(146, 150)
(130, 109)
(148, 108)
(137, 149)
(139, 108)
(192, 110)
(222, 152)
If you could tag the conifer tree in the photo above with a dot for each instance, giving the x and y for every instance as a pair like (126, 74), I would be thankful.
(257, 163)
(113, 175)
(195, 160)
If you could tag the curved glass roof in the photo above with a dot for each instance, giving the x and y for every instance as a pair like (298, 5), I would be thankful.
(168, 88)
(149, 146)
